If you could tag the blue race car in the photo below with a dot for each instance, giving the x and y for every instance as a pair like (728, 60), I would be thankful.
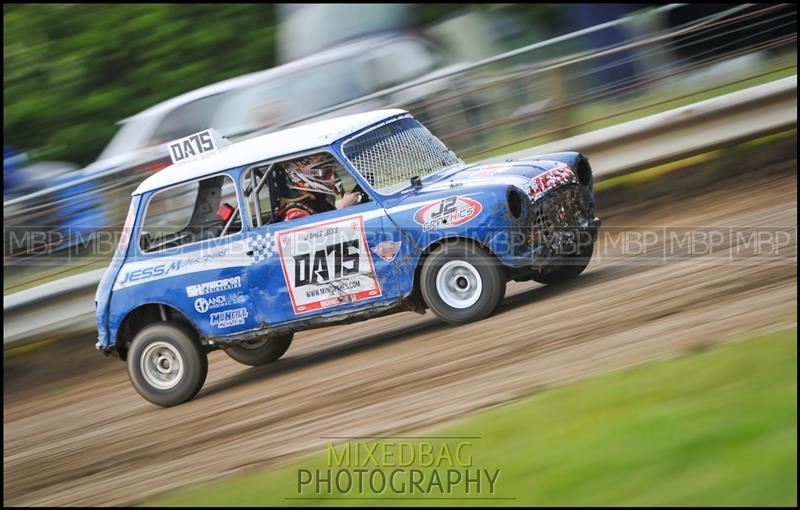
(209, 259)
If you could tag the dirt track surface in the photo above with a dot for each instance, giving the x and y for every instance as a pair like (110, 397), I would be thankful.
(92, 440)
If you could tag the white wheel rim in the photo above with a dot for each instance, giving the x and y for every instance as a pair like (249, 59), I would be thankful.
(162, 365)
(459, 284)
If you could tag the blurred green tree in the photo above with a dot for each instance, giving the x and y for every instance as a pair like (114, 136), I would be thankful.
(72, 71)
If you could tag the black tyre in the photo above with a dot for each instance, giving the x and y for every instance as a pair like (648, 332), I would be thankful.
(260, 351)
(166, 365)
(574, 266)
(461, 282)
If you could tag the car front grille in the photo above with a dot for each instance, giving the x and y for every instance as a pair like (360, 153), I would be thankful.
(556, 221)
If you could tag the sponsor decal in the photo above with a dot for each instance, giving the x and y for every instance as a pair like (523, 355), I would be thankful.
(447, 212)
(211, 287)
(172, 267)
(202, 305)
(262, 246)
(230, 255)
(327, 264)
(548, 180)
(387, 250)
(228, 318)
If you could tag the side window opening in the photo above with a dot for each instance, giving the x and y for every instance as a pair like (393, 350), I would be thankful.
(257, 193)
(311, 184)
(191, 212)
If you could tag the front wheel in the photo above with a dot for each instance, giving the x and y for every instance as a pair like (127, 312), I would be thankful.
(461, 282)
(166, 365)
(260, 351)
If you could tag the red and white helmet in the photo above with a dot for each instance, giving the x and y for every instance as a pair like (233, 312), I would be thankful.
(315, 173)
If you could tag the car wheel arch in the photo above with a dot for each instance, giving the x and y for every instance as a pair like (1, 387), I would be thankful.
(144, 315)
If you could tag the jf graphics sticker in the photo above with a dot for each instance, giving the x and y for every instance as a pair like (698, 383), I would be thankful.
(556, 176)
(447, 212)
(327, 264)
(387, 250)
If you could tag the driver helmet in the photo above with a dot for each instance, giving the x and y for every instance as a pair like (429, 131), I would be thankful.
(315, 173)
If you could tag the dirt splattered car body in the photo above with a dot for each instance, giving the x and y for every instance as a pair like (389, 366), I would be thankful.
(428, 231)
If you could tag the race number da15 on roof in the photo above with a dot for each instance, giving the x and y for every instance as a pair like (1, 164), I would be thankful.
(196, 145)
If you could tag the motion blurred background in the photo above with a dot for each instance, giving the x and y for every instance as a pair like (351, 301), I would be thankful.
(92, 92)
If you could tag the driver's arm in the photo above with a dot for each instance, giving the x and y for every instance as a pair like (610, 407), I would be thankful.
(348, 199)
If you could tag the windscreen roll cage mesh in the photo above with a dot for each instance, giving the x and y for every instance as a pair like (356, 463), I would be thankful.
(389, 155)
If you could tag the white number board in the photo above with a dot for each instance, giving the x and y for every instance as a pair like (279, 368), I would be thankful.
(327, 264)
(196, 145)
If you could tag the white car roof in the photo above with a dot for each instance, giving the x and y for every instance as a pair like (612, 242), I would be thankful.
(266, 147)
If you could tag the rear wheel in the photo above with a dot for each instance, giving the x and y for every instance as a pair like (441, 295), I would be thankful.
(166, 365)
(571, 268)
(261, 350)
(461, 282)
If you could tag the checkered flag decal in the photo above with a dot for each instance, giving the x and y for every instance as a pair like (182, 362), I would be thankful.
(262, 246)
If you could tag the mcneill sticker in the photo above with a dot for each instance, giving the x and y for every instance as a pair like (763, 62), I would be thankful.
(228, 318)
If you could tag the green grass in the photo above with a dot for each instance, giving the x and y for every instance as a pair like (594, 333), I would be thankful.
(22, 349)
(608, 111)
(23, 280)
(717, 427)
(663, 94)
(649, 174)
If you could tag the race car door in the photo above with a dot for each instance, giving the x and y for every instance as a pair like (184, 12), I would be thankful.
(185, 257)
(331, 262)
